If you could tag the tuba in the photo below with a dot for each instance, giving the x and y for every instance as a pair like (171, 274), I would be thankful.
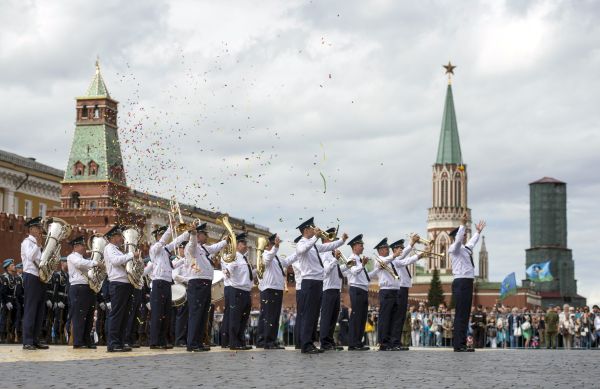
(97, 274)
(260, 263)
(135, 267)
(57, 230)
(228, 254)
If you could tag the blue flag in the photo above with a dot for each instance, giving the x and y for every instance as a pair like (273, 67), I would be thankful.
(539, 272)
(509, 286)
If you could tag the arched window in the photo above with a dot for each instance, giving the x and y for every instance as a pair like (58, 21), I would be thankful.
(78, 168)
(96, 112)
(444, 192)
(84, 112)
(92, 168)
(75, 200)
(458, 193)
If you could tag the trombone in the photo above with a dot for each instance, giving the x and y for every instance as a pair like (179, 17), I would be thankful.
(342, 260)
(386, 267)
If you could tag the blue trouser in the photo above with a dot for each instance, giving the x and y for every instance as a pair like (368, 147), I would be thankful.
(330, 309)
(83, 303)
(120, 299)
(400, 317)
(225, 324)
(268, 322)
(181, 324)
(161, 312)
(298, 325)
(388, 310)
(311, 296)
(239, 313)
(133, 321)
(462, 289)
(34, 308)
(359, 298)
(198, 301)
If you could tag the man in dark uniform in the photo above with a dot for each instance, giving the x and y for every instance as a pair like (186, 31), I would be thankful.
(20, 299)
(60, 291)
(103, 301)
(144, 332)
(478, 325)
(343, 320)
(8, 316)
(48, 320)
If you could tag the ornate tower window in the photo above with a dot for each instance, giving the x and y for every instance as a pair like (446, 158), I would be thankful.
(92, 168)
(78, 168)
(84, 112)
(96, 112)
(74, 203)
(458, 190)
(444, 190)
(93, 204)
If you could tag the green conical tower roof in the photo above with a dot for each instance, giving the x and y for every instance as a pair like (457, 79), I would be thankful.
(97, 87)
(449, 146)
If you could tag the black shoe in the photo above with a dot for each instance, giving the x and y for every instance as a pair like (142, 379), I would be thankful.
(327, 347)
(79, 347)
(361, 348)
(155, 347)
(115, 350)
(91, 346)
(312, 350)
(29, 347)
(247, 347)
(41, 346)
(385, 348)
(135, 345)
(181, 345)
(238, 348)
(196, 349)
(168, 346)
(274, 347)
(463, 350)
(126, 348)
(338, 348)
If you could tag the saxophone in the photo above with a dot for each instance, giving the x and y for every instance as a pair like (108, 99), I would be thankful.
(135, 267)
(97, 274)
(57, 230)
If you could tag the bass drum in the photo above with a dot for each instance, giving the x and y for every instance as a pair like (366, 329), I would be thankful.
(218, 287)
(178, 295)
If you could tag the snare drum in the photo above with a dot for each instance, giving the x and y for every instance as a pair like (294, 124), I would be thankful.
(178, 295)
(218, 287)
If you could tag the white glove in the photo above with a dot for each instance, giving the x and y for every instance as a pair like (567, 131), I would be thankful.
(9, 306)
(108, 305)
(49, 303)
(61, 305)
(148, 306)
(102, 306)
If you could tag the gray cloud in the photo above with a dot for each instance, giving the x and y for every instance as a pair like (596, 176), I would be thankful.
(243, 106)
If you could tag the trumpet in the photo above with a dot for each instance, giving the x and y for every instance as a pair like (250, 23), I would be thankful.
(342, 260)
(178, 226)
(386, 267)
(429, 253)
(324, 235)
(421, 240)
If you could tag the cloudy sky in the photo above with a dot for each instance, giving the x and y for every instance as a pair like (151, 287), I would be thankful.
(278, 110)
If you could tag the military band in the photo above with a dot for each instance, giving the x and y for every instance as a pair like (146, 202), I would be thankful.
(121, 312)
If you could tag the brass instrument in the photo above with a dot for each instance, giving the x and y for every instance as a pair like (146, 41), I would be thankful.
(429, 253)
(386, 266)
(178, 226)
(228, 253)
(135, 267)
(324, 235)
(342, 260)
(261, 243)
(57, 230)
(97, 274)
(421, 240)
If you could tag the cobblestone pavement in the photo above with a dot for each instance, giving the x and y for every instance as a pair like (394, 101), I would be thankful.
(62, 367)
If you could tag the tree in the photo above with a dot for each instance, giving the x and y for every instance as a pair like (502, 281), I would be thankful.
(436, 294)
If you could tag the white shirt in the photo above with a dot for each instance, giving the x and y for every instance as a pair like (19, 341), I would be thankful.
(115, 263)
(240, 274)
(306, 249)
(78, 268)
(597, 322)
(161, 263)
(196, 252)
(273, 278)
(297, 273)
(226, 278)
(386, 280)
(332, 279)
(401, 265)
(31, 254)
(358, 275)
(461, 255)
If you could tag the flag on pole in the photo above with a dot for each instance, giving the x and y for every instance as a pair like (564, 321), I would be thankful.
(539, 272)
(509, 286)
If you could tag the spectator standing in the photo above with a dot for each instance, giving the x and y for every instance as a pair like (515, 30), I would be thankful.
(514, 328)
(492, 332)
(526, 330)
(552, 323)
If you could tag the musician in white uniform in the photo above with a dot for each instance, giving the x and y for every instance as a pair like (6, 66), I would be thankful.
(162, 277)
(82, 298)
(241, 276)
(271, 288)
(181, 313)
(359, 295)
(299, 301)
(330, 304)
(463, 269)
(120, 290)
(199, 271)
(309, 251)
(35, 289)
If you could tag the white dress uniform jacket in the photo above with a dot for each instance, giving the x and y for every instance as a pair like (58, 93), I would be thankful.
(274, 275)
(308, 251)
(78, 268)
(31, 254)
(162, 269)
(358, 274)
(199, 253)
(115, 263)
(241, 274)
(332, 279)
(462, 255)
